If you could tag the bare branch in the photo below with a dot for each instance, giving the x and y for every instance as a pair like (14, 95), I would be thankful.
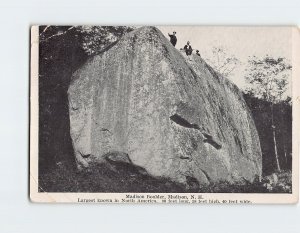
(58, 34)
(45, 29)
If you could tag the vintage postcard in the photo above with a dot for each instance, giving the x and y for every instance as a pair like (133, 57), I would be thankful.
(164, 114)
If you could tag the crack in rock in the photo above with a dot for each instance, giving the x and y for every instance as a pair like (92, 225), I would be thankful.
(209, 139)
(184, 123)
(238, 142)
(184, 157)
(206, 175)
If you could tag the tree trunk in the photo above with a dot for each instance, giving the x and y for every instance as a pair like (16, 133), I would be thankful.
(274, 139)
(285, 156)
(283, 136)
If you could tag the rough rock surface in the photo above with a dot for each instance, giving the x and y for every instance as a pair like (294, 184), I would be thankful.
(172, 116)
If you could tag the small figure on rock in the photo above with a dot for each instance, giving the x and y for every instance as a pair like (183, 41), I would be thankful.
(188, 49)
(173, 38)
(197, 53)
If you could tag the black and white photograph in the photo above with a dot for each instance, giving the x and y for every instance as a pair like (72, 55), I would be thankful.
(134, 114)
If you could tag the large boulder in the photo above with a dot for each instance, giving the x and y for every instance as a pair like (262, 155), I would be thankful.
(172, 116)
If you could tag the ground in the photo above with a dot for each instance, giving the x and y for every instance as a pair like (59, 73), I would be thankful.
(105, 178)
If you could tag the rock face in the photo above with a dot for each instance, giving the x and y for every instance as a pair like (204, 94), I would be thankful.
(172, 116)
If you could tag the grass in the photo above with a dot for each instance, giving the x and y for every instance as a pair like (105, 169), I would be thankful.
(121, 179)
(102, 178)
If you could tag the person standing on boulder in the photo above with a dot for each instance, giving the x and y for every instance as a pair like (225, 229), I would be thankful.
(173, 38)
(188, 49)
(197, 53)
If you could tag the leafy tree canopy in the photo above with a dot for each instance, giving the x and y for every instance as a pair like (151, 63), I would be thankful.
(92, 38)
(268, 78)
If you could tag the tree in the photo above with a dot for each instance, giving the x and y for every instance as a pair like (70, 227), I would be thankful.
(268, 79)
(92, 38)
(223, 62)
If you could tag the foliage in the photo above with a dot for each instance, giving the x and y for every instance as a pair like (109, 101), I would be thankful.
(282, 183)
(223, 62)
(92, 39)
(101, 178)
(268, 77)
(261, 113)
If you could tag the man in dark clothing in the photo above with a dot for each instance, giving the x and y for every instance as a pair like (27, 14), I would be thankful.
(188, 49)
(173, 38)
(197, 53)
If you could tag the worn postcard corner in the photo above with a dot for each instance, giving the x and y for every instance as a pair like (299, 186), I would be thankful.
(164, 114)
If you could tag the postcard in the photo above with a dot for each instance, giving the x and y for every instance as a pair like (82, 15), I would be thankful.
(164, 114)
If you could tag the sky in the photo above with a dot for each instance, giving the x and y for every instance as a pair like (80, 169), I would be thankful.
(241, 42)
